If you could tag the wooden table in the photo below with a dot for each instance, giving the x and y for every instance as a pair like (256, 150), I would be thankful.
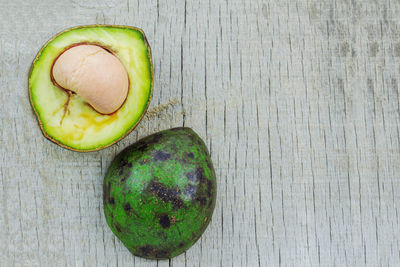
(298, 102)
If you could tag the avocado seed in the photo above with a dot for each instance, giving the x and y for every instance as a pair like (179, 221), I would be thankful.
(93, 73)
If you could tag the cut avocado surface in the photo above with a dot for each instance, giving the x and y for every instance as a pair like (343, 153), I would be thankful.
(64, 117)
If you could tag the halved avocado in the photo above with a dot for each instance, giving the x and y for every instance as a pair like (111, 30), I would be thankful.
(65, 118)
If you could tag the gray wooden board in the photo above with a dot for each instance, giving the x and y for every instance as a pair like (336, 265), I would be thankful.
(298, 102)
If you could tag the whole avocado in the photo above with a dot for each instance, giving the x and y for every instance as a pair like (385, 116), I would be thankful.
(159, 193)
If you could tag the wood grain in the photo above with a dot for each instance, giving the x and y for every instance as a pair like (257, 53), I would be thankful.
(297, 100)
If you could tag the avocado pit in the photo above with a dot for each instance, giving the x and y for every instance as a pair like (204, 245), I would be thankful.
(93, 73)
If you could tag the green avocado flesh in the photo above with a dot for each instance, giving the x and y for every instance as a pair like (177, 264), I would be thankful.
(159, 193)
(68, 120)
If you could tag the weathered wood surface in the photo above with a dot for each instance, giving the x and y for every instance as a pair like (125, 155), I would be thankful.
(298, 102)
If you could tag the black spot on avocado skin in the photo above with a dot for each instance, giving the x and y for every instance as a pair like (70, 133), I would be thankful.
(164, 221)
(166, 194)
(196, 176)
(161, 156)
(209, 204)
(118, 228)
(141, 146)
(190, 190)
(147, 142)
(155, 138)
(146, 250)
(199, 142)
(162, 253)
(151, 251)
(130, 211)
(126, 176)
(202, 200)
(127, 207)
(124, 162)
(200, 174)
(209, 188)
(192, 177)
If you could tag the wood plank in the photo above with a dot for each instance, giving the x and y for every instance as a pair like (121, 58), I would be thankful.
(297, 100)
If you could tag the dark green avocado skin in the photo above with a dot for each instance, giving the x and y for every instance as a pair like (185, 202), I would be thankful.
(159, 193)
